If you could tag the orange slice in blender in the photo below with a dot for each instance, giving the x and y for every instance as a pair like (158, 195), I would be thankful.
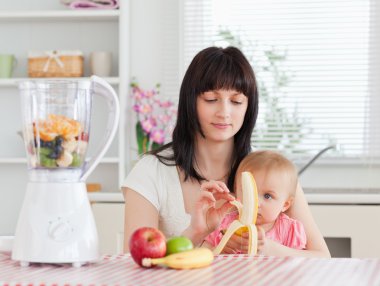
(64, 126)
(56, 125)
(44, 131)
(47, 136)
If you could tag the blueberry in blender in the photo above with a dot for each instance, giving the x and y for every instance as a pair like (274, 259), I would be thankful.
(58, 140)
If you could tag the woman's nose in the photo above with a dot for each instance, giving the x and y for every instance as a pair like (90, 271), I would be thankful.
(224, 109)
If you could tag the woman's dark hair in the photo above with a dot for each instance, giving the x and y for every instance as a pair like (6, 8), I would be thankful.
(211, 69)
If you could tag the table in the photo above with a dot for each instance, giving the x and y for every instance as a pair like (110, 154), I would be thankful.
(225, 270)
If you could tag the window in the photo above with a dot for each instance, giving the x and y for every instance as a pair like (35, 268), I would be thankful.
(316, 62)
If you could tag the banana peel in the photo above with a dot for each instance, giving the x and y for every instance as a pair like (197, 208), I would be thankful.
(247, 216)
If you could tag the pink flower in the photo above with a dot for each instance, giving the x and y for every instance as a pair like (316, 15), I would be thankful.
(136, 108)
(150, 93)
(166, 104)
(157, 117)
(165, 118)
(146, 108)
(157, 136)
(137, 93)
(148, 124)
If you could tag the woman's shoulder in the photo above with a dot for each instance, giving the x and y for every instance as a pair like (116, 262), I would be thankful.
(150, 167)
(147, 159)
(150, 160)
(148, 177)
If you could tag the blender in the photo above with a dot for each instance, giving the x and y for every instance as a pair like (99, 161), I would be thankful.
(56, 224)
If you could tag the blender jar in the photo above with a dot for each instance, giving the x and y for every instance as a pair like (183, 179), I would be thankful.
(56, 127)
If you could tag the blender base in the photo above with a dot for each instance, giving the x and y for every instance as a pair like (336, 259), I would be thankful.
(56, 225)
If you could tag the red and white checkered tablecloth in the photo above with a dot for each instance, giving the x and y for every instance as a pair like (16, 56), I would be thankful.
(225, 270)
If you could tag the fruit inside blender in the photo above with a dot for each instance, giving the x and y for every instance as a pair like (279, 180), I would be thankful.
(57, 142)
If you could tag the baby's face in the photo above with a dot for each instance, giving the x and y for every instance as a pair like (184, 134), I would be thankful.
(273, 192)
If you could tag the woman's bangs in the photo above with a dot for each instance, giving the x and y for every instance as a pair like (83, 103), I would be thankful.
(224, 76)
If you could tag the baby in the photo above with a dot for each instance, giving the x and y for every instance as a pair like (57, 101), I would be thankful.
(276, 179)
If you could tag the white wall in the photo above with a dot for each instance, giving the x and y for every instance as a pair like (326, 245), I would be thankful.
(146, 41)
(154, 37)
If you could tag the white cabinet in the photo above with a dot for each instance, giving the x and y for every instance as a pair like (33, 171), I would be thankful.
(109, 218)
(49, 25)
(357, 224)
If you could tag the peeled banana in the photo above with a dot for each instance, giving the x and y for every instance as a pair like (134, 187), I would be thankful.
(194, 258)
(247, 216)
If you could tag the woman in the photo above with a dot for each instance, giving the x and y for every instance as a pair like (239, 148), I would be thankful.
(177, 188)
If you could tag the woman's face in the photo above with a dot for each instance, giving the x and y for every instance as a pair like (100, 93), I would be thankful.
(221, 113)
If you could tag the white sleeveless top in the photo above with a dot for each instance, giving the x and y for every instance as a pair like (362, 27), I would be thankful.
(160, 185)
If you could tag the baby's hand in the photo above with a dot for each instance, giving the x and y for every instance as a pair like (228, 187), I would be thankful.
(261, 240)
(237, 244)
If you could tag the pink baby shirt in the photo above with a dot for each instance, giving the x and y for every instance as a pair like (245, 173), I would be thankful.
(286, 231)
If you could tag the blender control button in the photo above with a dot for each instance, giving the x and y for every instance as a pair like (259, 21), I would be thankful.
(60, 230)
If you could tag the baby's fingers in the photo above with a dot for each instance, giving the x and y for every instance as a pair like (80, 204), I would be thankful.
(260, 233)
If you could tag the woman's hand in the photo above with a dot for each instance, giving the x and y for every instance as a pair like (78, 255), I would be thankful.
(206, 216)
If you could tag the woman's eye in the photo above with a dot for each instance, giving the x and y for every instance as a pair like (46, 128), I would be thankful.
(210, 100)
(267, 196)
(236, 102)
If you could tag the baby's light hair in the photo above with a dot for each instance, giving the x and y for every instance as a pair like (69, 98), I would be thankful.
(269, 160)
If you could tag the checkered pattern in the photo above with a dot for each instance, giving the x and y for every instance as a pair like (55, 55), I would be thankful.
(225, 270)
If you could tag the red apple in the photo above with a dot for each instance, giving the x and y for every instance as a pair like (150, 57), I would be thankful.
(147, 242)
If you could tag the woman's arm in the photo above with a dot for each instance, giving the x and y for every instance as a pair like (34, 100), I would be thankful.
(138, 212)
(316, 245)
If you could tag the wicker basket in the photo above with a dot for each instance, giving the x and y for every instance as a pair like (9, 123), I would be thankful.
(55, 64)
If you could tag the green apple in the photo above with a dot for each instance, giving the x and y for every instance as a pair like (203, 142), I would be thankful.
(178, 244)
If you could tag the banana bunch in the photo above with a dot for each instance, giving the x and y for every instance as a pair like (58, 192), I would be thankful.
(194, 258)
(247, 216)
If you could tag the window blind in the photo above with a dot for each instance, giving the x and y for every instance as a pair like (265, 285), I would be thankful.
(317, 66)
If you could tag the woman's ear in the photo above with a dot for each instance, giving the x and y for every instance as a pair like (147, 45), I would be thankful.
(287, 204)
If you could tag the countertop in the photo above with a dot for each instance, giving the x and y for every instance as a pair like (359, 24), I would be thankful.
(106, 197)
(225, 270)
(313, 196)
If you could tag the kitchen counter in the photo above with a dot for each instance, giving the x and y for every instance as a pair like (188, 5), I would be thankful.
(342, 196)
(225, 270)
(106, 197)
(313, 196)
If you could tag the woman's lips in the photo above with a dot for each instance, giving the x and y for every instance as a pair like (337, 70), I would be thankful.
(221, 125)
